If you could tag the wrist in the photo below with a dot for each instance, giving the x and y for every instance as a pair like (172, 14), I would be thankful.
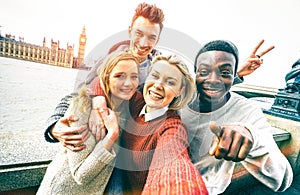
(98, 102)
(112, 136)
(49, 136)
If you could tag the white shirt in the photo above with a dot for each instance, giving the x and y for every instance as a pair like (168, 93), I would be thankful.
(154, 114)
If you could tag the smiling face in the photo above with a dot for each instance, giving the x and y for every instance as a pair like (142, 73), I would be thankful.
(123, 80)
(214, 77)
(143, 35)
(162, 85)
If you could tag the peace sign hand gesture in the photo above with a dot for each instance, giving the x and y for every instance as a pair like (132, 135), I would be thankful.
(254, 60)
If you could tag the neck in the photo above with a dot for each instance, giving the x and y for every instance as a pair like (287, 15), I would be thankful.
(141, 60)
(116, 102)
(208, 106)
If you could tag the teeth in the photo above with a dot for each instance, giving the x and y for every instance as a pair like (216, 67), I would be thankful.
(212, 89)
(155, 95)
(126, 90)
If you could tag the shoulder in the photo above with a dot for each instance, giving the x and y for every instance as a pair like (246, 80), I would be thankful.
(172, 114)
(236, 98)
(241, 103)
(120, 46)
(172, 119)
(95, 87)
(136, 102)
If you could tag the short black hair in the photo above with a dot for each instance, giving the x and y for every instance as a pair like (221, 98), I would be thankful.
(219, 45)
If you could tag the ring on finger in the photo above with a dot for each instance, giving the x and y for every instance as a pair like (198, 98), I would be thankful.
(258, 56)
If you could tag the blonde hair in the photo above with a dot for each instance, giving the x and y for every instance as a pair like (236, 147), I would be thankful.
(106, 68)
(187, 81)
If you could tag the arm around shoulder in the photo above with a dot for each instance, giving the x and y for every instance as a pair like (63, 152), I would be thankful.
(59, 112)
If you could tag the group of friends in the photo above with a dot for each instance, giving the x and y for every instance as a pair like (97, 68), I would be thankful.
(141, 124)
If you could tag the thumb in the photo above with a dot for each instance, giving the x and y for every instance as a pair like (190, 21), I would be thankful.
(73, 118)
(216, 129)
(67, 119)
(104, 112)
(213, 146)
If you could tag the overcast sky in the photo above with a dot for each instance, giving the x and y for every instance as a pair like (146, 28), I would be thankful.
(243, 22)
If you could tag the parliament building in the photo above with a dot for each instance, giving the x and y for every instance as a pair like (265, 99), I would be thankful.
(53, 55)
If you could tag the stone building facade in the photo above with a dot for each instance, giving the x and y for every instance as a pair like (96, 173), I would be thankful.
(53, 55)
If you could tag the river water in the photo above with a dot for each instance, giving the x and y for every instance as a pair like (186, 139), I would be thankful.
(30, 91)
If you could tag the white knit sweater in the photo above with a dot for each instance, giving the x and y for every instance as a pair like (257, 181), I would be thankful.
(83, 172)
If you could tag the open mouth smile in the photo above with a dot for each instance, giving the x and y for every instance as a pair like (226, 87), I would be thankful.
(155, 96)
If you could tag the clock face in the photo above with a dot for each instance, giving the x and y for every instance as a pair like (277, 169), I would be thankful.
(82, 39)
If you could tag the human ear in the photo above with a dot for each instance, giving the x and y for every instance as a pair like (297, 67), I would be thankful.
(129, 30)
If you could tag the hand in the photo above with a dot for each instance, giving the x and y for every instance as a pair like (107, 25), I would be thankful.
(254, 61)
(96, 124)
(232, 142)
(111, 123)
(72, 138)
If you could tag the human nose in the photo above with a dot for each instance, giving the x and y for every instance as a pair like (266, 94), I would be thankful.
(144, 41)
(214, 77)
(158, 85)
(127, 81)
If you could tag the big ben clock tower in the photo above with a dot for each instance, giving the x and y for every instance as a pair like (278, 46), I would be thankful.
(81, 50)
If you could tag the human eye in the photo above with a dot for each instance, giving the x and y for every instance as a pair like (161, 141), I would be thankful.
(134, 77)
(202, 72)
(120, 75)
(154, 75)
(226, 73)
(138, 33)
(171, 82)
(152, 38)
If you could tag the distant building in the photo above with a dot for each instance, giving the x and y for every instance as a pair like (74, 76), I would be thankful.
(55, 55)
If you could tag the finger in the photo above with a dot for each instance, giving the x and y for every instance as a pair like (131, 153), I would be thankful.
(69, 131)
(214, 146)
(85, 135)
(74, 148)
(266, 51)
(224, 145)
(103, 133)
(82, 130)
(234, 149)
(68, 117)
(93, 129)
(70, 147)
(244, 150)
(74, 133)
(215, 128)
(98, 134)
(257, 46)
(103, 113)
(100, 129)
(73, 118)
(254, 66)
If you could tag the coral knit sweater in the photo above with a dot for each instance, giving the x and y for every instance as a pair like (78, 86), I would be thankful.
(155, 156)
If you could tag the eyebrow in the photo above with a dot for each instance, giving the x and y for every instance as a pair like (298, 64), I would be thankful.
(226, 65)
(174, 78)
(124, 72)
(202, 64)
(151, 35)
(222, 65)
